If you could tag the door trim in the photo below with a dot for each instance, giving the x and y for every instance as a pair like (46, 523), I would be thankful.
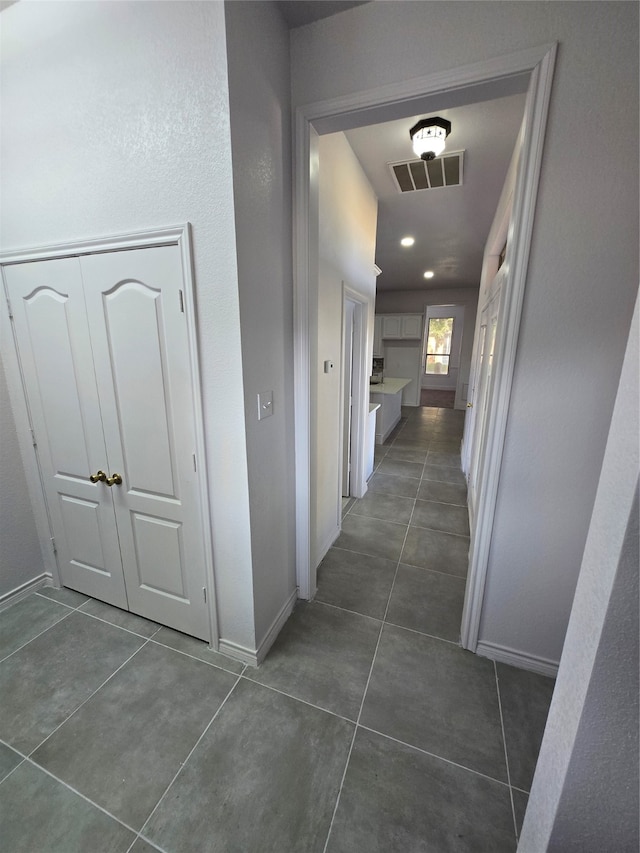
(177, 235)
(360, 387)
(539, 63)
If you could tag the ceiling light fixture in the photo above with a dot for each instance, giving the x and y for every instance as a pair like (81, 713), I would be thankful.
(428, 137)
(407, 241)
(429, 274)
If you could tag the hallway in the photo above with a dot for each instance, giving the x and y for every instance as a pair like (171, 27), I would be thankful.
(366, 729)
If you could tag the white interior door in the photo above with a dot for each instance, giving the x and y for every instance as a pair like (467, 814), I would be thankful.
(103, 341)
(54, 347)
(141, 351)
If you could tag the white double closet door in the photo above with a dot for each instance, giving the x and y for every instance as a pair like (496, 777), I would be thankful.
(103, 345)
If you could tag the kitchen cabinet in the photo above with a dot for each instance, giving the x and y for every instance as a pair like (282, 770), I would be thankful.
(401, 326)
(412, 326)
(370, 440)
(392, 326)
(388, 395)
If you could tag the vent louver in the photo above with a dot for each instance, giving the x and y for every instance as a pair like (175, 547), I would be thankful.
(412, 175)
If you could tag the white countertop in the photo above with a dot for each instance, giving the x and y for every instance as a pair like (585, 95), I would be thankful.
(389, 386)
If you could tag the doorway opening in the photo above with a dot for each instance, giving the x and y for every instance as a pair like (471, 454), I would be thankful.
(529, 71)
(441, 358)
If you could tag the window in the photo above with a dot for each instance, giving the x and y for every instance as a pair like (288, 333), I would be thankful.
(439, 337)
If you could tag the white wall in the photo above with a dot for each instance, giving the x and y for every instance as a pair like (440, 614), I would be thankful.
(415, 301)
(347, 222)
(259, 99)
(584, 796)
(20, 557)
(116, 119)
(583, 266)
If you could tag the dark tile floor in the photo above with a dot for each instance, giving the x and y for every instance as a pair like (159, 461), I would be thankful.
(366, 729)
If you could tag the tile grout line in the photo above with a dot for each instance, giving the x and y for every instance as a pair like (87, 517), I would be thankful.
(298, 699)
(13, 769)
(353, 740)
(82, 796)
(141, 636)
(44, 631)
(55, 600)
(434, 755)
(113, 625)
(193, 657)
(364, 696)
(417, 526)
(378, 557)
(75, 711)
(183, 764)
(387, 622)
(82, 704)
(506, 756)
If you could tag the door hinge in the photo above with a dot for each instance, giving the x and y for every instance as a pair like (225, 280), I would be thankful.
(181, 301)
(53, 545)
(204, 593)
(9, 307)
(33, 437)
(195, 466)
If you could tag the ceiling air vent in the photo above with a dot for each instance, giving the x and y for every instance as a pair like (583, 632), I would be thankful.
(412, 175)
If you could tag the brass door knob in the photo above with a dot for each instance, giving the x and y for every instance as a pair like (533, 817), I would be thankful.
(116, 480)
(98, 477)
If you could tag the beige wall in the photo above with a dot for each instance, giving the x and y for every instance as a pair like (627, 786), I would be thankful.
(348, 216)
(20, 557)
(259, 100)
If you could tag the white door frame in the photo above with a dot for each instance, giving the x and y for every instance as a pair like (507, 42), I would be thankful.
(539, 63)
(180, 236)
(346, 395)
(359, 392)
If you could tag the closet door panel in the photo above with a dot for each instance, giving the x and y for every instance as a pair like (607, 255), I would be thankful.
(141, 352)
(54, 349)
(133, 313)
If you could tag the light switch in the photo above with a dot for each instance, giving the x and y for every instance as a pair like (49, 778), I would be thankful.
(265, 405)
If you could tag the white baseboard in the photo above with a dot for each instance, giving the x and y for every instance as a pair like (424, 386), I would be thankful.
(254, 657)
(25, 589)
(276, 626)
(503, 654)
(238, 652)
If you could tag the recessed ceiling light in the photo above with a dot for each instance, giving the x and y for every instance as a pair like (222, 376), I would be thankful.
(407, 241)
(429, 274)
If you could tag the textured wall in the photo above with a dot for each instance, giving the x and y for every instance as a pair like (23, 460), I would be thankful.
(584, 797)
(259, 99)
(20, 557)
(583, 267)
(116, 119)
(348, 215)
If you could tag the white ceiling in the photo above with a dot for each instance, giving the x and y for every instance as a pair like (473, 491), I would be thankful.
(450, 224)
